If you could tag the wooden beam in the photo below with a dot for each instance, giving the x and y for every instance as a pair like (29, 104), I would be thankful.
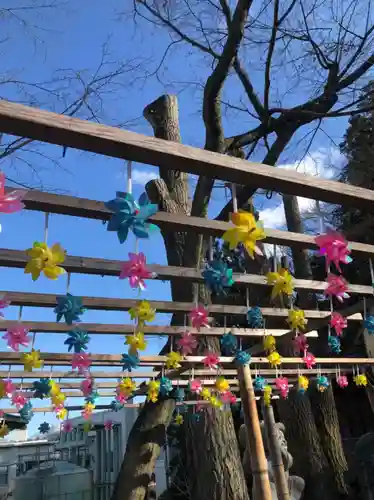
(92, 209)
(97, 328)
(104, 267)
(40, 125)
(27, 299)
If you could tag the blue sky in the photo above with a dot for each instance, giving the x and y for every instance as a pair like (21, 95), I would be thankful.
(71, 39)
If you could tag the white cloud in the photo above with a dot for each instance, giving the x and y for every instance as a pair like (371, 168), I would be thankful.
(142, 176)
(321, 163)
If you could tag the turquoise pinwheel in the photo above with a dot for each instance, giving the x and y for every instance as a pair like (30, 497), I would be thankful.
(130, 362)
(42, 388)
(369, 324)
(69, 308)
(243, 358)
(77, 340)
(334, 344)
(259, 383)
(165, 386)
(130, 214)
(92, 397)
(116, 405)
(322, 383)
(229, 343)
(44, 428)
(178, 394)
(218, 276)
(255, 318)
(26, 412)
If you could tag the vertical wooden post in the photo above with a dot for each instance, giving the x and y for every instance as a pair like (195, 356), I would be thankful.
(281, 482)
(259, 464)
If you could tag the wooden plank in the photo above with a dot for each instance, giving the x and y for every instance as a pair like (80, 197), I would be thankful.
(97, 328)
(58, 375)
(104, 267)
(114, 304)
(37, 124)
(92, 209)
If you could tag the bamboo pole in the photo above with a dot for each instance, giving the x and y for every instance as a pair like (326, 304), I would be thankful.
(254, 437)
(279, 473)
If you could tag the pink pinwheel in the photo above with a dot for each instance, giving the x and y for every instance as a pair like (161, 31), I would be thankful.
(18, 400)
(338, 322)
(211, 361)
(16, 336)
(81, 361)
(199, 318)
(228, 398)
(108, 425)
(196, 386)
(9, 387)
(309, 360)
(342, 381)
(2, 413)
(11, 201)
(300, 344)
(336, 287)
(334, 247)
(67, 426)
(121, 397)
(3, 304)
(87, 386)
(136, 270)
(187, 343)
(281, 384)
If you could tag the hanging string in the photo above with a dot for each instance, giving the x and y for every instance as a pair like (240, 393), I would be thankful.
(364, 307)
(234, 198)
(275, 263)
(371, 273)
(210, 248)
(129, 177)
(50, 373)
(46, 226)
(68, 282)
(20, 313)
(33, 340)
(247, 297)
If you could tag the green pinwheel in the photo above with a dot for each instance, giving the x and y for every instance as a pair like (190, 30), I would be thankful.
(218, 276)
(44, 428)
(70, 308)
(77, 340)
(129, 214)
(130, 362)
(42, 388)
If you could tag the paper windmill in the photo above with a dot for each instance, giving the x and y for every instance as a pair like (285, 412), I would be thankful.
(322, 383)
(243, 358)
(61, 412)
(67, 426)
(274, 359)
(187, 343)
(45, 259)
(58, 399)
(18, 400)
(199, 318)
(135, 269)
(70, 308)
(108, 425)
(92, 398)
(3, 304)
(296, 319)
(303, 384)
(334, 344)
(87, 426)
(300, 344)
(179, 419)
(215, 402)
(178, 394)
(77, 340)
(269, 343)
(136, 342)
(255, 318)
(217, 276)
(153, 391)
(369, 324)
(246, 231)
(334, 247)
(87, 386)
(336, 287)
(361, 380)
(196, 386)
(32, 360)
(259, 383)
(281, 281)
(165, 386)
(309, 360)
(228, 398)
(267, 395)
(16, 336)
(338, 322)
(143, 312)
(122, 398)
(116, 405)
(44, 428)
(88, 410)
(211, 361)
(128, 214)
(342, 381)
(130, 362)
(9, 387)
(222, 385)
(126, 386)
(26, 412)
(81, 361)
(229, 344)
(11, 201)
(173, 360)
(4, 430)
(282, 385)
(42, 388)
(205, 394)
(55, 388)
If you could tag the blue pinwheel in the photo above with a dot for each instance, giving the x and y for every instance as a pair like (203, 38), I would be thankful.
(165, 386)
(229, 343)
(42, 388)
(116, 405)
(130, 362)
(334, 344)
(130, 214)
(255, 318)
(69, 308)
(259, 383)
(322, 383)
(218, 276)
(77, 340)
(178, 394)
(369, 324)
(26, 412)
(243, 358)
(44, 428)
(91, 398)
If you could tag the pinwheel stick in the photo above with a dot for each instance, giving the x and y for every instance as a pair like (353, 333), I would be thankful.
(46, 225)
(129, 176)
(234, 198)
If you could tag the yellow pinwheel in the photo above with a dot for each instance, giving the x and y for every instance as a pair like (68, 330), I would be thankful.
(45, 259)
(297, 319)
(267, 395)
(136, 342)
(274, 359)
(55, 388)
(361, 380)
(143, 312)
(303, 383)
(281, 281)
(153, 391)
(173, 360)
(246, 231)
(215, 402)
(31, 360)
(222, 385)
(126, 386)
(62, 413)
(179, 419)
(4, 430)
(58, 399)
(205, 394)
(269, 343)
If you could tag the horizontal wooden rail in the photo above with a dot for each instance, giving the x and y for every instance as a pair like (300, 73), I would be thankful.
(97, 328)
(59, 375)
(37, 124)
(92, 209)
(104, 267)
(115, 359)
(108, 304)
